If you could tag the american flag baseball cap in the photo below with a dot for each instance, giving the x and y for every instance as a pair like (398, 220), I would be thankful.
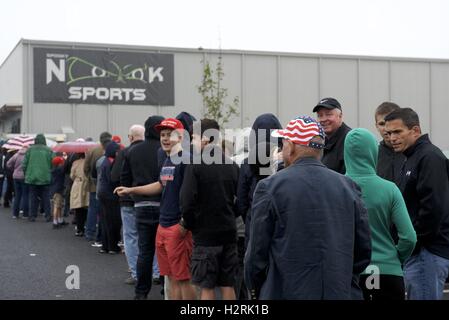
(301, 131)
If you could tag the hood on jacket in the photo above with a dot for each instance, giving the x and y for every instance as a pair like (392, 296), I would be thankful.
(266, 122)
(150, 131)
(360, 153)
(187, 121)
(111, 150)
(40, 139)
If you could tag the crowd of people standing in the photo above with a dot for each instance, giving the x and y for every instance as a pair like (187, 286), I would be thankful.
(316, 211)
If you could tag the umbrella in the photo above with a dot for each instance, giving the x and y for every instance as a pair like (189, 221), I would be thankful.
(75, 147)
(19, 142)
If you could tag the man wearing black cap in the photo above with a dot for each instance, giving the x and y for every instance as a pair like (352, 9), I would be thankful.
(330, 116)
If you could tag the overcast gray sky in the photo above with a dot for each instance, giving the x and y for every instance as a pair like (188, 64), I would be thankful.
(404, 28)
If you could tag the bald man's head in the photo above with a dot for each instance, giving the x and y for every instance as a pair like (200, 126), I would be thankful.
(136, 133)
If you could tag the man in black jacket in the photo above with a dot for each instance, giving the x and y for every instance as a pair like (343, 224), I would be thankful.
(330, 116)
(389, 163)
(207, 202)
(136, 135)
(424, 183)
(141, 166)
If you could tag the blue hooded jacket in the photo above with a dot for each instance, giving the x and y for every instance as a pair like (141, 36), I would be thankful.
(105, 187)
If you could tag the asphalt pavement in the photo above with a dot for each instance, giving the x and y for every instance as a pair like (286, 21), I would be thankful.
(34, 260)
(37, 263)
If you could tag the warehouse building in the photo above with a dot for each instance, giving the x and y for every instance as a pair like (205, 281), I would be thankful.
(82, 89)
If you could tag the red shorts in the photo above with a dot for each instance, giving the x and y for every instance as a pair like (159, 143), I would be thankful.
(174, 252)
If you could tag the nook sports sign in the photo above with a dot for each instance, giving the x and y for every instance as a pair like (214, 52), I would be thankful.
(103, 77)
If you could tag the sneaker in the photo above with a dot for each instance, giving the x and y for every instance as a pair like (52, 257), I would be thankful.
(97, 244)
(131, 281)
(120, 244)
(102, 251)
(114, 252)
(14, 217)
(79, 234)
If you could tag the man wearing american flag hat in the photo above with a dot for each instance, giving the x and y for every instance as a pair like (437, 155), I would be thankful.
(310, 237)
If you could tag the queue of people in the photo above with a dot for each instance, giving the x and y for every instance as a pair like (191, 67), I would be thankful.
(316, 211)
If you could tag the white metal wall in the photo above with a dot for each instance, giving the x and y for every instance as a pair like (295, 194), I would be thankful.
(287, 85)
(11, 78)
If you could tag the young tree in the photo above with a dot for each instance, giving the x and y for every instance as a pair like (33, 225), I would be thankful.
(214, 95)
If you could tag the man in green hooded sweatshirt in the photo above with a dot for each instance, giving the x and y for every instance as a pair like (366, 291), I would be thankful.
(37, 168)
(383, 279)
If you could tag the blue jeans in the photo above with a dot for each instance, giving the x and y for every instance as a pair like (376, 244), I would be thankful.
(425, 275)
(92, 216)
(156, 273)
(130, 237)
(42, 192)
(21, 199)
(147, 221)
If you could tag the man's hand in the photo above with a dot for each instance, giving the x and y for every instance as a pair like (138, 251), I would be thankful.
(122, 191)
(182, 230)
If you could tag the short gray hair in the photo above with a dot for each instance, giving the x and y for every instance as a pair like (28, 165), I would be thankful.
(137, 131)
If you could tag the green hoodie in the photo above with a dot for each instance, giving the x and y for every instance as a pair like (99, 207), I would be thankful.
(37, 162)
(384, 201)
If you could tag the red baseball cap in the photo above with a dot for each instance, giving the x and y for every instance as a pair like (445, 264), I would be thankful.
(116, 139)
(56, 161)
(169, 123)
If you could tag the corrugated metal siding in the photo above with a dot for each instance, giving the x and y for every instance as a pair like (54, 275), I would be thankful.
(410, 88)
(11, 78)
(373, 90)
(440, 104)
(299, 90)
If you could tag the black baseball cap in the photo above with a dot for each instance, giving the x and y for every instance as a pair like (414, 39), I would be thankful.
(328, 103)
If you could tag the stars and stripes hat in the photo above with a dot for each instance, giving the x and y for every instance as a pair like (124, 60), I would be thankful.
(301, 131)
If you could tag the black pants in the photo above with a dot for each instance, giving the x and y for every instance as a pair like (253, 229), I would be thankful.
(147, 221)
(81, 216)
(241, 292)
(111, 222)
(7, 199)
(390, 288)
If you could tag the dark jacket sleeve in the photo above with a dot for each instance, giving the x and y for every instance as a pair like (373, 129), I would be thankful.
(189, 197)
(87, 163)
(243, 189)
(432, 190)
(95, 172)
(117, 168)
(362, 235)
(126, 175)
(262, 228)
